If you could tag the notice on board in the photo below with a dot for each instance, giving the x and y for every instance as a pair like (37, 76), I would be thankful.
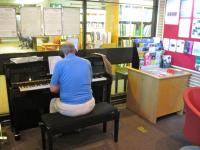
(71, 21)
(8, 27)
(52, 21)
(172, 12)
(31, 21)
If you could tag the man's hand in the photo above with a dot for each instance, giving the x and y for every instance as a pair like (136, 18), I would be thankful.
(54, 88)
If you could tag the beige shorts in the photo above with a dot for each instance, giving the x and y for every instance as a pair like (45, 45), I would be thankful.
(71, 110)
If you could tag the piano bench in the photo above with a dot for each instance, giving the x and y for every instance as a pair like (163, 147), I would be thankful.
(55, 123)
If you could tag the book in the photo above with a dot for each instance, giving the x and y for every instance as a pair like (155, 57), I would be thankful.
(188, 47)
(172, 45)
(180, 46)
(196, 49)
(197, 63)
(166, 61)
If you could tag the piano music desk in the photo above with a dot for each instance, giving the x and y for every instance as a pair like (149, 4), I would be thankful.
(152, 96)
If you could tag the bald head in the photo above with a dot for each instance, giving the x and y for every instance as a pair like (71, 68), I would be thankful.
(68, 47)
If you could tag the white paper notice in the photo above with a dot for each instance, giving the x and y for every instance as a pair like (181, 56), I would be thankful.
(8, 27)
(52, 62)
(31, 23)
(172, 45)
(52, 21)
(180, 46)
(172, 12)
(184, 28)
(71, 21)
(166, 43)
(186, 8)
(197, 8)
(196, 49)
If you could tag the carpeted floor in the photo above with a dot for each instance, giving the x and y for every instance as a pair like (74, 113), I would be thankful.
(165, 135)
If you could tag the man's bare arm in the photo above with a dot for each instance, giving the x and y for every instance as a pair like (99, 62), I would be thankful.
(54, 88)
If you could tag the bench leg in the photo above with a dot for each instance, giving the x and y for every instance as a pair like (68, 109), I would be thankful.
(50, 141)
(42, 127)
(104, 126)
(116, 127)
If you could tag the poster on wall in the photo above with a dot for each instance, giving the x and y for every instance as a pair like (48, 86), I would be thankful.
(172, 12)
(31, 21)
(184, 28)
(195, 29)
(186, 8)
(166, 43)
(196, 49)
(196, 9)
(180, 46)
(71, 21)
(172, 45)
(52, 21)
(8, 27)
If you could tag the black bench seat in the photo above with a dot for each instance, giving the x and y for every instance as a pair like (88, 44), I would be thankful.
(55, 123)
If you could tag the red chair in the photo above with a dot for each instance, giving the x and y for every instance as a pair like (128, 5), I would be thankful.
(191, 98)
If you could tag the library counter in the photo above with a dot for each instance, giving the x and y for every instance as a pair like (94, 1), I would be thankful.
(156, 92)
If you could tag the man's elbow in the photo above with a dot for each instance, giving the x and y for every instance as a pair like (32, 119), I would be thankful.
(54, 89)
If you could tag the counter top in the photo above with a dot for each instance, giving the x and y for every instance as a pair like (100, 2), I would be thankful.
(161, 73)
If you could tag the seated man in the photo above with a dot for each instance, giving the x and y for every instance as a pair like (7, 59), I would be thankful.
(72, 77)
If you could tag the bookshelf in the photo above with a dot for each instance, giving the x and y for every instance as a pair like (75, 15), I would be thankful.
(96, 35)
(134, 22)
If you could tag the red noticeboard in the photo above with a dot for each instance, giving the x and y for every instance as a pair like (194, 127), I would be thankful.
(171, 31)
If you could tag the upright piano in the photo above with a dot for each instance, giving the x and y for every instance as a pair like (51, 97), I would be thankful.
(29, 95)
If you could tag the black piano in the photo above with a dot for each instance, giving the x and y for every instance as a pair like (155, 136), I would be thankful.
(29, 95)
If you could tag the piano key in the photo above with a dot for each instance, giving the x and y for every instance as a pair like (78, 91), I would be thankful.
(99, 79)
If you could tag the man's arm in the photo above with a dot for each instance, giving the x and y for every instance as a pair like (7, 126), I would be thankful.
(54, 85)
(54, 88)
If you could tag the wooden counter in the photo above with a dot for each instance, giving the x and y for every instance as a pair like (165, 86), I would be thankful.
(152, 95)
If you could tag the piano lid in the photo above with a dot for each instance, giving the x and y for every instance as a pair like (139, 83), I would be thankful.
(26, 71)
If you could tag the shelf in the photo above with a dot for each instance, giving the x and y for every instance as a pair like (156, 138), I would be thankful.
(133, 22)
(127, 37)
(132, 37)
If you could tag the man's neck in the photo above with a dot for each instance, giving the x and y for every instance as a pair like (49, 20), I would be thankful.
(70, 54)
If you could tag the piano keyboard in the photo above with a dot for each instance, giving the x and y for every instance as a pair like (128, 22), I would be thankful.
(44, 84)
(33, 87)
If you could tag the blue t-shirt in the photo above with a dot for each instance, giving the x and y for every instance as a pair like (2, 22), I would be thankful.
(74, 75)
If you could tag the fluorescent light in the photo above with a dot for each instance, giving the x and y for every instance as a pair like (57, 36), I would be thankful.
(28, 1)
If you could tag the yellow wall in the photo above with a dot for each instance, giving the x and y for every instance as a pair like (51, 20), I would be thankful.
(112, 20)
(4, 109)
(112, 24)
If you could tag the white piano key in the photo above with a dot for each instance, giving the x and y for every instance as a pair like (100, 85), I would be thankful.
(99, 79)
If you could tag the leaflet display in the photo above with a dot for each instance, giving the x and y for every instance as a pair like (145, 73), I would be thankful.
(31, 21)
(52, 21)
(71, 21)
(8, 26)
